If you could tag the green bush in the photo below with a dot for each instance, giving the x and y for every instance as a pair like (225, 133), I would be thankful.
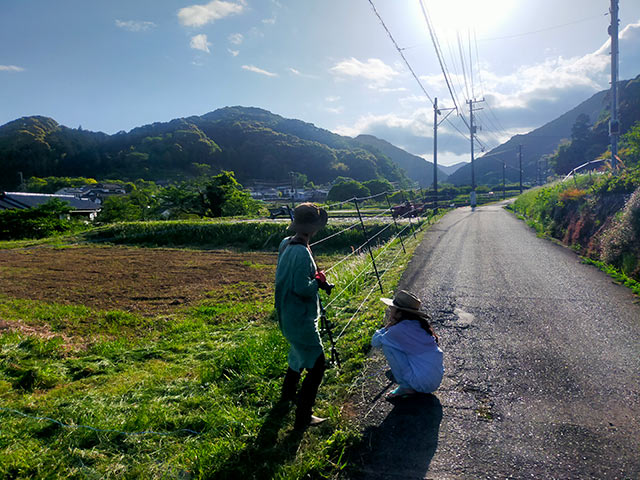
(37, 222)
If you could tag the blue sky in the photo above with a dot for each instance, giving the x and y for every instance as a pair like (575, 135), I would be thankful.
(114, 65)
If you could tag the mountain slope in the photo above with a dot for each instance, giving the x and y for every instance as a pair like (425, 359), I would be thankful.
(418, 169)
(545, 140)
(449, 170)
(254, 143)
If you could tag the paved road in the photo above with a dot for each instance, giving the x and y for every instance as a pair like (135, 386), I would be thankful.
(542, 359)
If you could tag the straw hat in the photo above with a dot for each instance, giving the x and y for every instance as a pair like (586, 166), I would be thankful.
(308, 218)
(406, 301)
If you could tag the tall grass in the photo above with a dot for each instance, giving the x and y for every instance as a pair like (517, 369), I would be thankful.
(263, 235)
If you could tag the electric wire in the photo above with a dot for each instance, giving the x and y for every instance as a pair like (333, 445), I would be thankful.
(400, 52)
(436, 46)
(543, 29)
(334, 234)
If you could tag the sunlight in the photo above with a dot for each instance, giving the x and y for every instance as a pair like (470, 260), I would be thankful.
(481, 15)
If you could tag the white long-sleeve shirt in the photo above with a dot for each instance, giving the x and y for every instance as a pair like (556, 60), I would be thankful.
(416, 358)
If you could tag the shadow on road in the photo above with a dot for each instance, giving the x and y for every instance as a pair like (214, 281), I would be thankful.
(403, 445)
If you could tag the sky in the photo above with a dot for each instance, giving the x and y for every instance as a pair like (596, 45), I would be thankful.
(112, 65)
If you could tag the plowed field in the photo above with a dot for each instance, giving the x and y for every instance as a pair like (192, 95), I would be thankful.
(144, 281)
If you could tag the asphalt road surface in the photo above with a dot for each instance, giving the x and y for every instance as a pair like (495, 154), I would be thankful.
(542, 359)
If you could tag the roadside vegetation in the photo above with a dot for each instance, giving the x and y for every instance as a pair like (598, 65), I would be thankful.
(204, 376)
(596, 214)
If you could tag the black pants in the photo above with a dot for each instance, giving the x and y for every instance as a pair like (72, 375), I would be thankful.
(308, 390)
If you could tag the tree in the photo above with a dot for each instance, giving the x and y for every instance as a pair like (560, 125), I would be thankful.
(36, 222)
(378, 185)
(347, 189)
(217, 196)
(225, 197)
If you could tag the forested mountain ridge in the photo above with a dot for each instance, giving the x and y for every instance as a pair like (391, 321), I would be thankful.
(417, 168)
(545, 140)
(254, 143)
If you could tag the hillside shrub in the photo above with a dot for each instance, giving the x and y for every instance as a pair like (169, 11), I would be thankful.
(621, 243)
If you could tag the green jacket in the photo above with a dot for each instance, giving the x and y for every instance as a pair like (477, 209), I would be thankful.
(297, 304)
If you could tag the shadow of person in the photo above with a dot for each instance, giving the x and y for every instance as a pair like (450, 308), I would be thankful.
(261, 458)
(403, 445)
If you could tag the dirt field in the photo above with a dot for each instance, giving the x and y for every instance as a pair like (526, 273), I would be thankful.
(144, 281)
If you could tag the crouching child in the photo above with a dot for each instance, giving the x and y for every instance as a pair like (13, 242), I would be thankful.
(410, 346)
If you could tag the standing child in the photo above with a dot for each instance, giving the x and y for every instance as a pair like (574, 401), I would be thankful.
(410, 346)
(298, 307)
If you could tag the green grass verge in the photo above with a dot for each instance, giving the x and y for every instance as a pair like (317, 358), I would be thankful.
(215, 368)
(615, 273)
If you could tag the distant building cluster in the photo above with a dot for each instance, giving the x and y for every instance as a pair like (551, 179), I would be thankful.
(269, 193)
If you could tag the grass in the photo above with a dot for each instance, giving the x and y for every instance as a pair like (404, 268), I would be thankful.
(215, 368)
(616, 274)
(265, 235)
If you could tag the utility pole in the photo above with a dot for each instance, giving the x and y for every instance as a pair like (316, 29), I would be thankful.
(293, 199)
(437, 111)
(504, 190)
(614, 124)
(520, 160)
(472, 130)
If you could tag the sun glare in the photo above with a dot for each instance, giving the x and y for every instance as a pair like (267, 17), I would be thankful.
(479, 15)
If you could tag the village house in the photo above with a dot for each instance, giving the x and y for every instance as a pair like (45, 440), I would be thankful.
(96, 193)
(78, 207)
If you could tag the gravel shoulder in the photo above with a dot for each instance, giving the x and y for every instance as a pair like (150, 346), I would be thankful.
(542, 360)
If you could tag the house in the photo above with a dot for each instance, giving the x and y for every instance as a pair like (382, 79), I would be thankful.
(97, 192)
(78, 207)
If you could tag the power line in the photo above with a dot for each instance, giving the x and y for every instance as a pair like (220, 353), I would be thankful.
(400, 52)
(436, 46)
(464, 72)
(543, 29)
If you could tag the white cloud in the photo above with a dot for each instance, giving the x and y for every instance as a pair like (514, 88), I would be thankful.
(234, 53)
(298, 73)
(135, 25)
(412, 131)
(336, 110)
(332, 99)
(269, 21)
(373, 69)
(11, 68)
(236, 38)
(200, 42)
(388, 90)
(252, 68)
(199, 15)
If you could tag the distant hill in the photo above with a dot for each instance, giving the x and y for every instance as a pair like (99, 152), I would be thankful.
(418, 169)
(254, 143)
(449, 170)
(546, 139)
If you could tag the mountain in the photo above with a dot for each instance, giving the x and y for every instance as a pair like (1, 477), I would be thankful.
(449, 170)
(418, 169)
(254, 143)
(544, 141)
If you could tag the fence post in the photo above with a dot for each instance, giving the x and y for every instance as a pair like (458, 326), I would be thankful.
(366, 237)
(395, 223)
(411, 224)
